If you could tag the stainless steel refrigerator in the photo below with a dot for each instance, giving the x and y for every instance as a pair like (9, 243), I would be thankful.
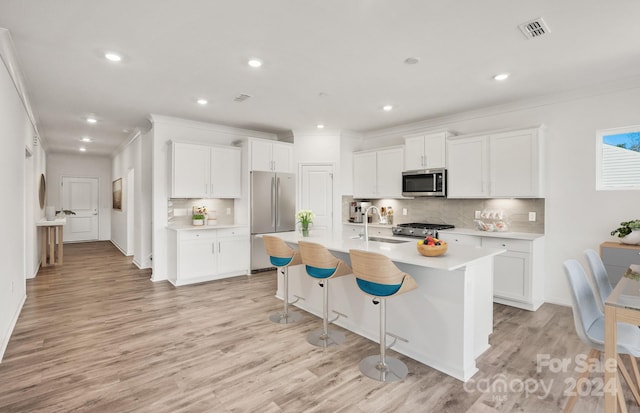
(273, 204)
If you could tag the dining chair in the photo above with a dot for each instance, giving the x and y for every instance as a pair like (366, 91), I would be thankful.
(600, 275)
(589, 323)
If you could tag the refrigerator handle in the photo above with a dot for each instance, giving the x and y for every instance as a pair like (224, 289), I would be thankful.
(277, 201)
(273, 205)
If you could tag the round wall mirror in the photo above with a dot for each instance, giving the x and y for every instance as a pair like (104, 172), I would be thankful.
(42, 191)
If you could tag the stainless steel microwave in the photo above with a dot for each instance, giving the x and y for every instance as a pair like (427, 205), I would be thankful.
(425, 182)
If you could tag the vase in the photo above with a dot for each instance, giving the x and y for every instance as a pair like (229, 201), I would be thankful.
(305, 230)
(632, 238)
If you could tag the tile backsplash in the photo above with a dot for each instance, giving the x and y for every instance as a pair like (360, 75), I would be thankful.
(461, 212)
(179, 210)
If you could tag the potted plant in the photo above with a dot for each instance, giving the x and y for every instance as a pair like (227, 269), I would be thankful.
(305, 217)
(197, 219)
(628, 232)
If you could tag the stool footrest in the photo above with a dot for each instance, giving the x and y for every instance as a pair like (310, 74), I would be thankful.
(298, 298)
(338, 316)
(395, 339)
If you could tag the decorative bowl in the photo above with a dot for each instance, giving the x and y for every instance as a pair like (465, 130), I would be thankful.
(432, 250)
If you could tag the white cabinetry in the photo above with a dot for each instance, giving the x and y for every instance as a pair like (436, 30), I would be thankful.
(425, 151)
(203, 171)
(518, 278)
(208, 254)
(378, 174)
(498, 165)
(270, 156)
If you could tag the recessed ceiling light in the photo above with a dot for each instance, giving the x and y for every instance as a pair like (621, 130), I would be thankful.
(320, 126)
(114, 57)
(501, 76)
(86, 139)
(92, 120)
(83, 149)
(411, 60)
(387, 108)
(202, 102)
(255, 63)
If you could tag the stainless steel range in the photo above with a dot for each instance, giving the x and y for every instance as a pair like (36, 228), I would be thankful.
(417, 229)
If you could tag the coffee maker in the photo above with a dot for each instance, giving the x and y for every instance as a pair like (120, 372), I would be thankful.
(356, 211)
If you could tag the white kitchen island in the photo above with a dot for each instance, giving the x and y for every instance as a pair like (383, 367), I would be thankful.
(447, 320)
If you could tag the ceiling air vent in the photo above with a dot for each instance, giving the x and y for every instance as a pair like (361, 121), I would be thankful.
(534, 28)
(241, 98)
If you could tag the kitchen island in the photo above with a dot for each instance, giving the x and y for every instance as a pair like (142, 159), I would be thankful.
(446, 321)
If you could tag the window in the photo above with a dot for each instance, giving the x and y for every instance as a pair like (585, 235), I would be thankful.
(618, 158)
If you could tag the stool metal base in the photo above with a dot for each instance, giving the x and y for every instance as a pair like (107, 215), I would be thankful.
(282, 318)
(319, 339)
(395, 370)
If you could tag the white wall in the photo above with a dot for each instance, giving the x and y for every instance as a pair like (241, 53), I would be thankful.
(166, 129)
(34, 167)
(128, 158)
(15, 130)
(82, 166)
(577, 216)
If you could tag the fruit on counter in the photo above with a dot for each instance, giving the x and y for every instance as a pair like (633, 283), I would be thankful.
(429, 240)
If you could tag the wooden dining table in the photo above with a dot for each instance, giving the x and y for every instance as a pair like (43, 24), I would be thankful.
(622, 305)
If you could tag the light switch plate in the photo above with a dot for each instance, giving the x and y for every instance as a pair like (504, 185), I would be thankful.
(228, 211)
(404, 211)
(532, 216)
(477, 215)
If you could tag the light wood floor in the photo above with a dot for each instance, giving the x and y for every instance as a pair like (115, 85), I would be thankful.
(96, 335)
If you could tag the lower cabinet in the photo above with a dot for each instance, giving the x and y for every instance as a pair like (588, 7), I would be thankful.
(518, 277)
(209, 254)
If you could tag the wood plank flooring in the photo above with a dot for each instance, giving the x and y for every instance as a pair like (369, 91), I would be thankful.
(96, 335)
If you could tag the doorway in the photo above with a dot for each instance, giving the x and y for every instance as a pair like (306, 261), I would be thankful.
(316, 193)
(80, 195)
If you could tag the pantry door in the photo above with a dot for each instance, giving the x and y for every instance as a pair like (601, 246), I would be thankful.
(316, 189)
(80, 195)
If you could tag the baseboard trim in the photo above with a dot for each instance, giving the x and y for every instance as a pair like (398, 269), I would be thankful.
(119, 248)
(5, 341)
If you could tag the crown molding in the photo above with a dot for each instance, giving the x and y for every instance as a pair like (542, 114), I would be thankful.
(239, 132)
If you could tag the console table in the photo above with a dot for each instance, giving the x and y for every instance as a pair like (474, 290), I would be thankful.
(51, 239)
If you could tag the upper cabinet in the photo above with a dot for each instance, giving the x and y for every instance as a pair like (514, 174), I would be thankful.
(498, 165)
(271, 156)
(203, 171)
(425, 151)
(378, 174)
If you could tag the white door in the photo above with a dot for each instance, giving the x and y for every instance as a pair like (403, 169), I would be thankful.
(317, 194)
(80, 195)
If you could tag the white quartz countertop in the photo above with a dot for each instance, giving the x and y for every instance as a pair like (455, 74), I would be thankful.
(457, 256)
(189, 227)
(493, 234)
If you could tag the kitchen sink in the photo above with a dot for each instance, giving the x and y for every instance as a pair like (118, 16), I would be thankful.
(388, 240)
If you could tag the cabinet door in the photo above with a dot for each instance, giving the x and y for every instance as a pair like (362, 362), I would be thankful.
(413, 153)
(389, 173)
(364, 175)
(435, 150)
(197, 259)
(233, 254)
(467, 167)
(261, 156)
(511, 276)
(460, 239)
(190, 174)
(226, 172)
(282, 155)
(514, 164)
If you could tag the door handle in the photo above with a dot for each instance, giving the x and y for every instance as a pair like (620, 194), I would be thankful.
(273, 200)
(277, 206)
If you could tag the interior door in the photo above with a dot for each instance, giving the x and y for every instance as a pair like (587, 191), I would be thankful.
(317, 194)
(80, 195)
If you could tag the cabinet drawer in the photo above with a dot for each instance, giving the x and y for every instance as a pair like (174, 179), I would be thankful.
(620, 257)
(460, 239)
(198, 234)
(231, 232)
(509, 244)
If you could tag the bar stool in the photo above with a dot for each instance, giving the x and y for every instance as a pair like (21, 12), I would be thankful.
(282, 257)
(322, 265)
(377, 276)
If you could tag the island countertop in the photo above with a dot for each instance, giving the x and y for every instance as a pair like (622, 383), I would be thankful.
(456, 257)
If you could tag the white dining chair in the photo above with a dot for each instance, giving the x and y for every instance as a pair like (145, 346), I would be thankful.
(589, 323)
(600, 275)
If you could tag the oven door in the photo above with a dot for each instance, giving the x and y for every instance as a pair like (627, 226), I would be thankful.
(424, 183)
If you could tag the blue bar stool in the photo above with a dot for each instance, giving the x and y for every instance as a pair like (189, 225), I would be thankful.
(282, 257)
(322, 265)
(377, 276)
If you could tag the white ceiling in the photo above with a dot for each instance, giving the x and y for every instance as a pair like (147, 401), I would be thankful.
(352, 51)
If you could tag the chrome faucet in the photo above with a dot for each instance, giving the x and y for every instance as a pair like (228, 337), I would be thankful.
(366, 220)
